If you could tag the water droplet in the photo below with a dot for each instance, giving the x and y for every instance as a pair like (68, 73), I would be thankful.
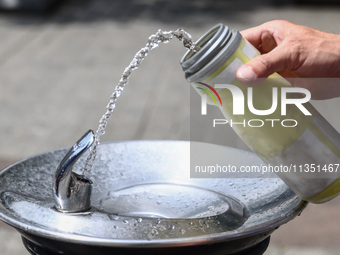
(113, 217)
(152, 233)
(211, 208)
(182, 231)
(162, 228)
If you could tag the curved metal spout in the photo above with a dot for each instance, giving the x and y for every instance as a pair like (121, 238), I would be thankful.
(71, 191)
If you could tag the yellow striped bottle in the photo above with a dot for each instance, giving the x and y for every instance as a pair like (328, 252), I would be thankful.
(310, 149)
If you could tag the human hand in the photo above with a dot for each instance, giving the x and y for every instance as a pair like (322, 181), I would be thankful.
(293, 51)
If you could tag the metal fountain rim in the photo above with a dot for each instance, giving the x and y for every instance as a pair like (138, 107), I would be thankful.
(27, 229)
(187, 241)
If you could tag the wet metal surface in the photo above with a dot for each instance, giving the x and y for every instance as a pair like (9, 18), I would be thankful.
(143, 196)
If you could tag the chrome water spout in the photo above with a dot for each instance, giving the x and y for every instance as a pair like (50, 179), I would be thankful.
(72, 192)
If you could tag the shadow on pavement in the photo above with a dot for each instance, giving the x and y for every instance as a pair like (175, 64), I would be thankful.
(193, 12)
(184, 12)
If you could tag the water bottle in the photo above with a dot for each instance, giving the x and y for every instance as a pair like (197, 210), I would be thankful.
(294, 138)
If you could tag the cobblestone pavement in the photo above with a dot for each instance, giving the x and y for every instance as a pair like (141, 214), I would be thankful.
(58, 69)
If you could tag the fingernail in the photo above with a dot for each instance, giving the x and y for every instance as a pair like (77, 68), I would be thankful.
(246, 73)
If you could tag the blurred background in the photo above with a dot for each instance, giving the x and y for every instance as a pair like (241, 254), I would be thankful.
(60, 61)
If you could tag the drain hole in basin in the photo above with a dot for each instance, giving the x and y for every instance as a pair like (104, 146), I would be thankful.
(172, 201)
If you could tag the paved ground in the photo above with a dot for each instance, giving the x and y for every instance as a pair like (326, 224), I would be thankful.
(57, 71)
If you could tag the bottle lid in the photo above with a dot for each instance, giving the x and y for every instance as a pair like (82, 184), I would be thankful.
(212, 49)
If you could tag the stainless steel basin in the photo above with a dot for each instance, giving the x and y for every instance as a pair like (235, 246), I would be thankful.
(143, 198)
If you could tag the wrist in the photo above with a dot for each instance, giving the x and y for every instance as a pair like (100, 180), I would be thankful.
(329, 53)
(336, 44)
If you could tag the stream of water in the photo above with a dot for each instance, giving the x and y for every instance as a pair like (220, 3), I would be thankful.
(153, 42)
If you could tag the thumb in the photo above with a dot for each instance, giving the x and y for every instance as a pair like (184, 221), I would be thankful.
(263, 66)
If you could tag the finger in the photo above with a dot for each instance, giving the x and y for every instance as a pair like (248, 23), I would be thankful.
(253, 35)
(256, 35)
(263, 66)
(268, 42)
